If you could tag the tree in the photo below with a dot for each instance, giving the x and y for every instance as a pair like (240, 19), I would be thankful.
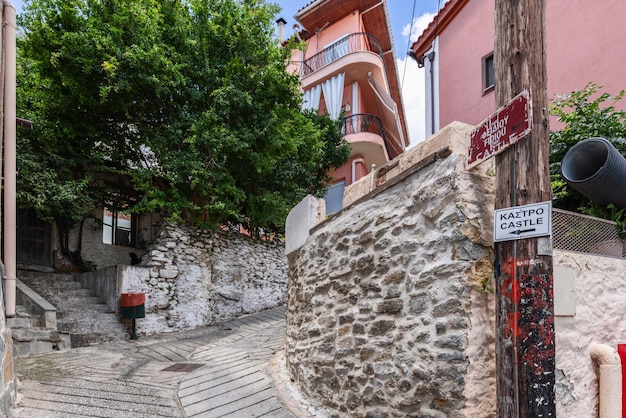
(186, 102)
(584, 114)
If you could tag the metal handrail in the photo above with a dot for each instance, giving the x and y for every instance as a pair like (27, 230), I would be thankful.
(365, 122)
(355, 42)
(362, 122)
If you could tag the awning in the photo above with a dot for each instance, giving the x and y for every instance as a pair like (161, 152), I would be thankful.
(388, 106)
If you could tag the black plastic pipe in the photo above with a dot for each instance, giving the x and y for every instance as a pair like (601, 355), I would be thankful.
(597, 170)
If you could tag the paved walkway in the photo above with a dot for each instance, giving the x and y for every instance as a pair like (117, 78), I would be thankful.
(219, 371)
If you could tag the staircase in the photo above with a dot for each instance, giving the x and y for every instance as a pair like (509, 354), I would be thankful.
(72, 317)
(34, 329)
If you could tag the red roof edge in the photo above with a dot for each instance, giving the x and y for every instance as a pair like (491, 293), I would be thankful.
(442, 19)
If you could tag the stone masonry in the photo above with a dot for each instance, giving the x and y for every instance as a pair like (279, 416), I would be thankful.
(8, 378)
(195, 277)
(385, 297)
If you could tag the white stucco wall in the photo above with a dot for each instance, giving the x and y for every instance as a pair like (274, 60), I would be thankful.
(599, 303)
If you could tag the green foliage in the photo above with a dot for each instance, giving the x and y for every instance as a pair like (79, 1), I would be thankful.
(187, 102)
(609, 212)
(486, 285)
(585, 113)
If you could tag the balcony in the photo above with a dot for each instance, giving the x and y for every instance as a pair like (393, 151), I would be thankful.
(356, 42)
(370, 124)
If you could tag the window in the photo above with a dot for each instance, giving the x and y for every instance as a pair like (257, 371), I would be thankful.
(118, 228)
(488, 73)
(336, 50)
(334, 198)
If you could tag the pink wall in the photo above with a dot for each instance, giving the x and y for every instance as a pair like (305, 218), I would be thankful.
(584, 43)
(461, 46)
(347, 25)
(345, 171)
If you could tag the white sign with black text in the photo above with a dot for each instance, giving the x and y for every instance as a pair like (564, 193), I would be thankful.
(518, 222)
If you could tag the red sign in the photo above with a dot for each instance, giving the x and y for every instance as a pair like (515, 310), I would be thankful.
(500, 130)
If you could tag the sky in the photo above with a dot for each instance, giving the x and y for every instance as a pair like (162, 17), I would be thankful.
(404, 34)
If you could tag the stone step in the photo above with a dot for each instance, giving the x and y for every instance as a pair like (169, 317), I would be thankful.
(57, 292)
(82, 307)
(48, 287)
(51, 281)
(68, 294)
(21, 311)
(89, 325)
(25, 275)
(85, 340)
(78, 313)
(19, 322)
(77, 299)
(85, 335)
(25, 335)
(34, 341)
(91, 328)
(93, 325)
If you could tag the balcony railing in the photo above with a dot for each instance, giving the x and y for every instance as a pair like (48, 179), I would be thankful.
(363, 122)
(356, 42)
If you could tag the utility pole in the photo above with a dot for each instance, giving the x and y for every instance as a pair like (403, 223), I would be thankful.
(525, 348)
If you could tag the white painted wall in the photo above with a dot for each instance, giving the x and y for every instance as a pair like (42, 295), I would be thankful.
(596, 315)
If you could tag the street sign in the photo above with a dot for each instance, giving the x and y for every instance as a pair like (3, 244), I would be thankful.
(500, 130)
(518, 222)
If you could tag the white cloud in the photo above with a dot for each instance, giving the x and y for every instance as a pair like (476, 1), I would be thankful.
(413, 82)
(413, 98)
(419, 24)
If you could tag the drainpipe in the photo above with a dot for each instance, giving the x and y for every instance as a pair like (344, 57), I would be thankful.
(10, 168)
(609, 381)
(356, 160)
(431, 58)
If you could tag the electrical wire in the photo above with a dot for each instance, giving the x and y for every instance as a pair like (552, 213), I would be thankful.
(408, 43)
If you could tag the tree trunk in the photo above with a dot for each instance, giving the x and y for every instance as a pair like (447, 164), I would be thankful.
(524, 301)
(75, 256)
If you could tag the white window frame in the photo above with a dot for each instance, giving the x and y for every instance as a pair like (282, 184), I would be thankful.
(116, 224)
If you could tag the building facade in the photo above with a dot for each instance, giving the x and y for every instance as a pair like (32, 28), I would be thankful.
(584, 44)
(348, 70)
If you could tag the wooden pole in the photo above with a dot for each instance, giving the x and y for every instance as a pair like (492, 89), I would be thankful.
(524, 296)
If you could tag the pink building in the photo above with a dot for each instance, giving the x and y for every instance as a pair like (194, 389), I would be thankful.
(348, 70)
(585, 42)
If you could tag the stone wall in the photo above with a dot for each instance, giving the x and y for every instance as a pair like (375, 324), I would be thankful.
(8, 378)
(8, 392)
(195, 277)
(387, 310)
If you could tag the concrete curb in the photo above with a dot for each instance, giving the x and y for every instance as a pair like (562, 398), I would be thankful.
(286, 392)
